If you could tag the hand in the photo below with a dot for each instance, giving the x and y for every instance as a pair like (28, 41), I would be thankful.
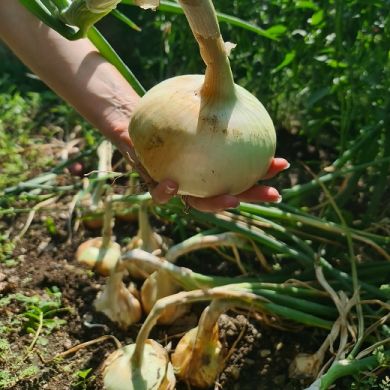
(258, 193)
(162, 192)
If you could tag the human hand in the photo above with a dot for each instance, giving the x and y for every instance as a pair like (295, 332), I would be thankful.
(258, 193)
(162, 192)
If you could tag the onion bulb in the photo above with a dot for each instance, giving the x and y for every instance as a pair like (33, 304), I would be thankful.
(199, 356)
(158, 285)
(118, 302)
(206, 133)
(95, 255)
(156, 372)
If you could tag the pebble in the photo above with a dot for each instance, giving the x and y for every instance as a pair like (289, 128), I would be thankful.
(279, 346)
(4, 287)
(67, 344)
(264, 353)
(279, 379)
(2, 276)
(235, 372)
(249, 362)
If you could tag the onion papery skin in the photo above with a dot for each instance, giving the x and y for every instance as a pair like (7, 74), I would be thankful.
(209, 145)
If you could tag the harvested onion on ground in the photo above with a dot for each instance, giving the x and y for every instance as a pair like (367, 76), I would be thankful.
(102, 258)
(199, 356)
(118, 302)
(204, 131)
(156, 373)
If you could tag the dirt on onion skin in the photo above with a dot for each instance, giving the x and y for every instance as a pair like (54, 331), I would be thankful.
(259, 360)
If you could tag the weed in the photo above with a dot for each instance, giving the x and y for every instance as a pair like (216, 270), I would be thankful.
(42, 311)
(82, 379)
(6, 249)
(39, 315)
(38, 311)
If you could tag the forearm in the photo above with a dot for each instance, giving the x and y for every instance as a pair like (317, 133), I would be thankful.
(73, 69)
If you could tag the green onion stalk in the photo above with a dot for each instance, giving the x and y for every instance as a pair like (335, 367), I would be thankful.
(347, 367)
(283, 305)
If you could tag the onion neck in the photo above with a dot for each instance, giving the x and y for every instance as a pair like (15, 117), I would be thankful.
(218, 82)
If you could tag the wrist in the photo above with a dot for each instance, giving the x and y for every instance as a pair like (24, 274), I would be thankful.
(114, 120)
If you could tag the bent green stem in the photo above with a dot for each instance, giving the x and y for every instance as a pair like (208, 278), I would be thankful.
(201, 241)
(347, 367)
(185, 277)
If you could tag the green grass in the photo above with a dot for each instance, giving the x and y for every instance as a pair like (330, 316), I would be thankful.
(40, 316)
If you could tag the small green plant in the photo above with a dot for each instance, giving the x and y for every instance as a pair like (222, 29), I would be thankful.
(371, 382)
(39, 312)
(42, 312)
(82, 379)
(6, 249)
(39, 316)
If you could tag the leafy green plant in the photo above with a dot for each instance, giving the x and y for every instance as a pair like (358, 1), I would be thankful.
(82, 379)
(42, 312)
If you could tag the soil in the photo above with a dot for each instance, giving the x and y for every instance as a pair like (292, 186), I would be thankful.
(259, 354)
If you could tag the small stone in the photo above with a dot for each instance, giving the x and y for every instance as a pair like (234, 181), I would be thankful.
(235, 372)
(67, 344)
(279, 379)
(279, 346)
(2, 276)
(264, 353)
(230, 332)
(264, 371)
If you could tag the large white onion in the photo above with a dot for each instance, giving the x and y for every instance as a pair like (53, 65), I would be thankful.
(206, 133)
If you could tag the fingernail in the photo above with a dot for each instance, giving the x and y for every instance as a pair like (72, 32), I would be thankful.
(232, 203)
(279, 199)
(287, 166)
(170, 190)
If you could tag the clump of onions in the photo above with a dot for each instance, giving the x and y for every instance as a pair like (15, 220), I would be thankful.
(116, 301)
(121, 372)
(204, 132)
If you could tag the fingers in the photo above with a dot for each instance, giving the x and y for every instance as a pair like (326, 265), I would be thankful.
(213, 204)
(260, 194)
(164, 191)
(222, 202)
(277, 165)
